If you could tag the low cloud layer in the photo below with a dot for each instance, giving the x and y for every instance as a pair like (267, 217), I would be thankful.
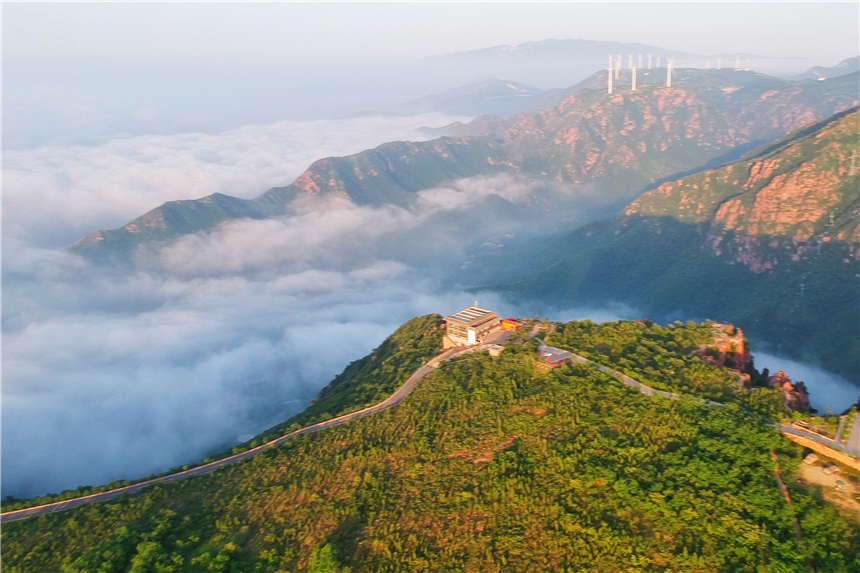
(216, 337)
(53, 196)
(826, 390)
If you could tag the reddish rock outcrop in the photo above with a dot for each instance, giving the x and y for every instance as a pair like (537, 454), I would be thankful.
(796, 395)
(730, 350)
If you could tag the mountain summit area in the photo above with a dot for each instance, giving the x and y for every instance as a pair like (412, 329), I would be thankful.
(717, 233)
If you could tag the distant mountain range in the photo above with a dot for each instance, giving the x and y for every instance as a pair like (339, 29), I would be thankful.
(846, 66)
(554, 63)
(612, 146)
(548, 63)
(771, 242)
(501, 97)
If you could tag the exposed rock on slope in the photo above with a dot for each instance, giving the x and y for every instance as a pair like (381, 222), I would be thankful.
(804, 189)
(751, 243)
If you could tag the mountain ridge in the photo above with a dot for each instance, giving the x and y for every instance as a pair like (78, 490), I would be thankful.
(616, 142)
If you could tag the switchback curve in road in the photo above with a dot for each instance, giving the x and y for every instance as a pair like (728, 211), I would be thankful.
(398, 396)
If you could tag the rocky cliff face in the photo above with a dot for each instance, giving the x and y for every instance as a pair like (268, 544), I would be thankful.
(796, 394)
(782, 202)
(730, 349)
(616, 143)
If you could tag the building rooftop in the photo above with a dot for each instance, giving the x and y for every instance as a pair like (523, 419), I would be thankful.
(555, 354)
(473, 316)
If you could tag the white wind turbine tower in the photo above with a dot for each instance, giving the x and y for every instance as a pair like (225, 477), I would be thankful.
(611, 65)
(669, 74)
(649, 61)
(617, 66)
(609, 75)
(634, 79)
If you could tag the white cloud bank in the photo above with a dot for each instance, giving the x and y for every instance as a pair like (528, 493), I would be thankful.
(113, 375)
(53, 196)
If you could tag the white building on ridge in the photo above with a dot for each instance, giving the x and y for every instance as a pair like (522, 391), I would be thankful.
(471, 325)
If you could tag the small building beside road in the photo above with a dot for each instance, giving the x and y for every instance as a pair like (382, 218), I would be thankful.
(555, 357)
(471, 325)
(495, 350)
(830, 469)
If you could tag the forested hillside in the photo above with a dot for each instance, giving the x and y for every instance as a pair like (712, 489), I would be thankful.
(492, 464)
(770, 243)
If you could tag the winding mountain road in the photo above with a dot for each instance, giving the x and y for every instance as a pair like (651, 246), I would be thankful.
(398, 396)
(633, 383)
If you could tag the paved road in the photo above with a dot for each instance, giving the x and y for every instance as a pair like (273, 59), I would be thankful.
(853, 437)
(633, 383)
(398, 396)
(852, 446)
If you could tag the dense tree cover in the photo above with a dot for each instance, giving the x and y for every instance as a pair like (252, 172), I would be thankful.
(660, 357)
(364, 382)
(492, 464)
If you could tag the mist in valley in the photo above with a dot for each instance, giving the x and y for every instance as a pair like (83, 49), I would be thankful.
(117, 372)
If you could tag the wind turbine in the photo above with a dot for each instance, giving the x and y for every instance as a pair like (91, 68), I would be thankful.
(634, 79)
(617, 66)
(669, 74)
(609, 75)
(649, 61)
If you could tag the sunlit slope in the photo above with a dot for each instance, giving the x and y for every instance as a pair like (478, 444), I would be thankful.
(769, 243)
(494, 464)
(614, 145)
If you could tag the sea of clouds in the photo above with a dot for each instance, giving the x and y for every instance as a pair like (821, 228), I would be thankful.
(115, 373)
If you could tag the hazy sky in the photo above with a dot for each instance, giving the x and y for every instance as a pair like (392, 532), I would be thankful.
(825, 32)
